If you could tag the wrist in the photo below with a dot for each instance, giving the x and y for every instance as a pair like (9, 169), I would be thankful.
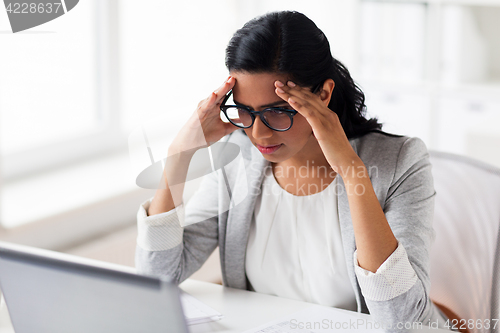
(179, 150)
(189, 139)
(352, 168)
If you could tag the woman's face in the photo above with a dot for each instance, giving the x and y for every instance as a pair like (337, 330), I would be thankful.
(298, 143)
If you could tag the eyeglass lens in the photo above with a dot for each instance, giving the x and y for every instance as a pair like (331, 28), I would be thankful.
(275, 118)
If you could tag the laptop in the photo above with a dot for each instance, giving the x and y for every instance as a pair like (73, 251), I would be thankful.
(50, 292)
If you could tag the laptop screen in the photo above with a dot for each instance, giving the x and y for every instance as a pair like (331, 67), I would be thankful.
(44, 293)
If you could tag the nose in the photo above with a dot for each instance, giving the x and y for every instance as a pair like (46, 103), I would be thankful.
(260, 130)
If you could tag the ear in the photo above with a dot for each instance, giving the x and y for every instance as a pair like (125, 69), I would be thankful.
(326, 91)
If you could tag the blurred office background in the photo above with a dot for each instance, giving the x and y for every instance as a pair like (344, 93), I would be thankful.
(72, 90)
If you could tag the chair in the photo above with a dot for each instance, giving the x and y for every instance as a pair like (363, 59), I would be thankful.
(465, 257)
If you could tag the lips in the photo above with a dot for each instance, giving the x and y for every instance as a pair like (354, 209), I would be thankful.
(268, 149)
(271, 146)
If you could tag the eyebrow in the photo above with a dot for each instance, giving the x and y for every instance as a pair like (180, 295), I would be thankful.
(263, 106)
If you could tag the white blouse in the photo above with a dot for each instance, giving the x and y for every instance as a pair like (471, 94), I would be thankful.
(295, 251)
(295, 248)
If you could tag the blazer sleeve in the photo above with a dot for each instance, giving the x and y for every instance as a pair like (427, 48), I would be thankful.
(409, 210)
(177, 243)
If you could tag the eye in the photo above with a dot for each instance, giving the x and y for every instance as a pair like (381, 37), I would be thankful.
(277, 111)
(281, 109)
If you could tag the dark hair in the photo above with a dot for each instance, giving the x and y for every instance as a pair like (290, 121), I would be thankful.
(288, 42)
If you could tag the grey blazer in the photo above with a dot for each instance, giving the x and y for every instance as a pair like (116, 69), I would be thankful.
(400, 172)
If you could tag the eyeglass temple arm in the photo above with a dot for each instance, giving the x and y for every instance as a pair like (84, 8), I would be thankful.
(227, 97)
(316, 89)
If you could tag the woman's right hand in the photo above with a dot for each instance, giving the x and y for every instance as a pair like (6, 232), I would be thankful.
(205, 126)
(201, 130)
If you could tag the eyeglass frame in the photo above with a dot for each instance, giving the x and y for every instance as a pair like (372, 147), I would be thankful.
(253, 113)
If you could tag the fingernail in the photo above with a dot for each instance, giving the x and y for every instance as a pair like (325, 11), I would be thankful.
(279, 84)
(291, 84)
(229, 79)
(280, 90)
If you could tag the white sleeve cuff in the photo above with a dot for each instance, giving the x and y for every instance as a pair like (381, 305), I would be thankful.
(159, 232)
(394, 277)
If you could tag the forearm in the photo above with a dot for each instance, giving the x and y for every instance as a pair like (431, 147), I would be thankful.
(165, 247)
(188, 141)
(375, 240)
(171, 189)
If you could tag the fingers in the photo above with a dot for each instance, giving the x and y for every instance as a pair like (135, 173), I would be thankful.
(300, 98)
(291, 89)
(291, 94)
(224, 89)
(218, 95)
(284, 93)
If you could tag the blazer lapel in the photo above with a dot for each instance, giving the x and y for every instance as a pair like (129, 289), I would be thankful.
(347, 231)
(240, 217)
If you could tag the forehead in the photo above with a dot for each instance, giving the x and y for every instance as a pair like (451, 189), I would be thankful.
(256, 89)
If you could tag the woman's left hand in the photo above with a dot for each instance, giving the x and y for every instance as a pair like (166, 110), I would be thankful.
(375, 241)
(324, 122)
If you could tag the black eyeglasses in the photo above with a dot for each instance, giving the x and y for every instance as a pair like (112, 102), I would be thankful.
(276, 118)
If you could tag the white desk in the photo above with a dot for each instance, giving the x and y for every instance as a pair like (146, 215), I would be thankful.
(242, 310)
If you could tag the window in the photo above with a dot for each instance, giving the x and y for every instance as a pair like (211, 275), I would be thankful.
(52, 92)
(74, 89)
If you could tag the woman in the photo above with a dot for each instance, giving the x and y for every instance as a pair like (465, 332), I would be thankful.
(364, 246)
